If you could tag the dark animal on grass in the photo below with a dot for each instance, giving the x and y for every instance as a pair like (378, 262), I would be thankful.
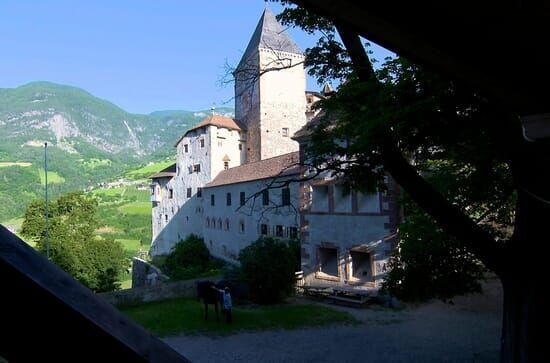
(209, 296)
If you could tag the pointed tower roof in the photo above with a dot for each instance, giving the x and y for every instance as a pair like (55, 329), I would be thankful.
(269, 34)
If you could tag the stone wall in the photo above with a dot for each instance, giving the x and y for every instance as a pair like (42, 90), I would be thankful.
(145, 274)
(162, 291)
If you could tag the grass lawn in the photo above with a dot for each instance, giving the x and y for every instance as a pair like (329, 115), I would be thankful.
(171, 317)
(53, 177)
(143, 208)
(5, 164)
(126, 284)
(148, 170)
(14, 223)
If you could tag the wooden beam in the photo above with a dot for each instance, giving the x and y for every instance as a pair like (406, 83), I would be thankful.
(48, 316)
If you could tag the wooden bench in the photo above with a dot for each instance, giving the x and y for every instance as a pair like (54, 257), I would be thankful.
(350, 296)
(346, 300)
(318, 291)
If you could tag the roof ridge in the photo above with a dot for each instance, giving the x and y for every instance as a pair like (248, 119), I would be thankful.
(259, 161)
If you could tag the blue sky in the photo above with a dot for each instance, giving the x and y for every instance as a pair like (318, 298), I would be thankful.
(143, 55)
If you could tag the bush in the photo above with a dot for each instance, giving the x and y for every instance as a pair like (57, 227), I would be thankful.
(189, 259)
(268, 266)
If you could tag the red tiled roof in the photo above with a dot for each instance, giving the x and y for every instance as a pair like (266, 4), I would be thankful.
(282, 165)
(215, 120)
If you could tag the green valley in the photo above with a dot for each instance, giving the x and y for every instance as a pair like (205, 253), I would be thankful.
(90, 141)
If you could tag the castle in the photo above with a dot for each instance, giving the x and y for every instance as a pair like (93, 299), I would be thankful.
(236, 180)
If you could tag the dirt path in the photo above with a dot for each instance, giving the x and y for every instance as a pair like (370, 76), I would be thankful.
(467, 331)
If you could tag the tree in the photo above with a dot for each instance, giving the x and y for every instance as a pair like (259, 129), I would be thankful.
(96, 263)
(189, 259)
(496, 208)
(268, 266)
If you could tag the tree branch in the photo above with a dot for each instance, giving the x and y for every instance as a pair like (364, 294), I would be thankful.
(450, 217)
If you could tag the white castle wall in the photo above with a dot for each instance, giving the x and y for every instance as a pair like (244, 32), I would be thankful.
(225, 242)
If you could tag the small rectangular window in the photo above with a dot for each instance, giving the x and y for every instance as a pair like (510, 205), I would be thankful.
(170, 193)
(243, 198)
(186, 148)
(286, 196)
(226, 165)
(189, 191)
(197, 168)
(199, 192)
(285, 132)
(263, 229)
(293, 232)
(241, 227)
(228, 198)
(279, 231)
(265, 197)
(202, 142)
(212, 199)
(240, 146)
(166, 217)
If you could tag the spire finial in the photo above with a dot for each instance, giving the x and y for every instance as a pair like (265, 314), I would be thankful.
(213, 108)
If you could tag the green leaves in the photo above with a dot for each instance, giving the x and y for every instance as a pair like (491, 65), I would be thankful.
(190, 259)
(94, 262)
(268, 265)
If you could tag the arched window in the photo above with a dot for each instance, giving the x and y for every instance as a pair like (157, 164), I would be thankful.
(219, 223)
(226, 224)
(207, 222)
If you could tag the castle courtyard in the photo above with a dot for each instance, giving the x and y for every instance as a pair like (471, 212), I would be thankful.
(468, 330)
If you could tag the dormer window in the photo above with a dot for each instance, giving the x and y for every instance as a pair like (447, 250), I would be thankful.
(226, 165)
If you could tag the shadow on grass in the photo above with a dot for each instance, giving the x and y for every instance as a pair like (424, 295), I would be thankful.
(185, 316)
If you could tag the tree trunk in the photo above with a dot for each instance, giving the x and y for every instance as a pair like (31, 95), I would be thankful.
(523, 323)
(527, 261)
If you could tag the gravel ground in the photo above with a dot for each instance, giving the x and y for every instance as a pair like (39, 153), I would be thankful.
(466, 331)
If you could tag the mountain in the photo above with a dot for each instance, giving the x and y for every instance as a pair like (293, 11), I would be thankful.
(89, 140)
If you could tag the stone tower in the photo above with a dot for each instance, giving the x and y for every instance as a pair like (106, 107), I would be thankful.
(270, 89)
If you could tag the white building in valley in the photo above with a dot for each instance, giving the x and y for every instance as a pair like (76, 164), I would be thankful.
(222, 184)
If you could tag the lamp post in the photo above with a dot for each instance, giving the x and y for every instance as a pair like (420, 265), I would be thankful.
(46, 197)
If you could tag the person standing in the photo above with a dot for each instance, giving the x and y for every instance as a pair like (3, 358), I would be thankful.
(227, 303)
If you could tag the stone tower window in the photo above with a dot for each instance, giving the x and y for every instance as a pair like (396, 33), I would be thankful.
(197, 168)
(202, 142)
(228, 199)
(285, 132)
(189, 191)
(170, 193)
(199, 192)
(186, 148)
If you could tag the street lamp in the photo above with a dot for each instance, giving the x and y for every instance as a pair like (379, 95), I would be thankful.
(46, 197)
